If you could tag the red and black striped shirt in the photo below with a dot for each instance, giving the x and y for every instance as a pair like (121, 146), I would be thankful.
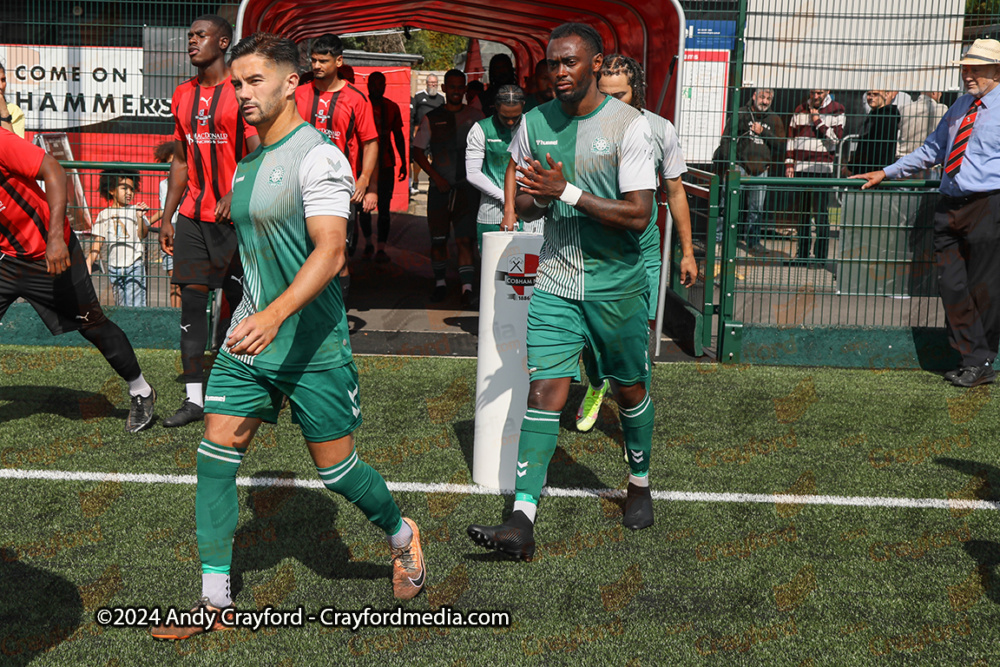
(24, 211)
(344, 116)
(208, 122)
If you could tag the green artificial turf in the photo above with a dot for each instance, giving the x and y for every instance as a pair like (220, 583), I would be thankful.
(710, 583)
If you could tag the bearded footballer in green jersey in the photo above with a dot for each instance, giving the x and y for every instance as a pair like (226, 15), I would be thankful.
(289, 337)
(585, 161)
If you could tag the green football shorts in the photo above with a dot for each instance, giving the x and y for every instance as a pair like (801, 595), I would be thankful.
(325, 404)
(617, 333)
(650, 245)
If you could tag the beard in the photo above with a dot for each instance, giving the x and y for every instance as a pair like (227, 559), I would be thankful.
(573, 95)
(265, 111)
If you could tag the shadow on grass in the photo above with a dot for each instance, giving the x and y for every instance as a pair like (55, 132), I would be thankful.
(298, 523)
(25, 401)
(38, 610)
(984, 484)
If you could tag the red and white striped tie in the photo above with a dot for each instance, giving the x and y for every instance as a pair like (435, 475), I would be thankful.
(957, 154)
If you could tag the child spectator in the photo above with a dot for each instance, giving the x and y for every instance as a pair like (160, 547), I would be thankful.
(123, 225)
(164, 154)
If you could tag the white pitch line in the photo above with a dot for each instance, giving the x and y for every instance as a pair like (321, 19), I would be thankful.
(475, 489)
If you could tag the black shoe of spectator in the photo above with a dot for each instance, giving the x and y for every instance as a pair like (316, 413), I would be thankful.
(951, 375)
(369, 251)
(973, 376)
(381, 257)
(439, 293)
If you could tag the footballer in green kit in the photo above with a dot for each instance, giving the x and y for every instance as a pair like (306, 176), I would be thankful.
(289, 336)
(585, 162)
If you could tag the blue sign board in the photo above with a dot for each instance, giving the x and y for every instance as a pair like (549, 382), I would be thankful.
(710, 35)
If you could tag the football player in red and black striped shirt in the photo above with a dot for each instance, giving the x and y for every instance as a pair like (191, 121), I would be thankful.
(211, 137)
(339, 110)
(41, 261)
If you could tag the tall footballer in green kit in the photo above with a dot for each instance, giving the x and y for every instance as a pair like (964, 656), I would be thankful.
(289, 337)
(585, 162)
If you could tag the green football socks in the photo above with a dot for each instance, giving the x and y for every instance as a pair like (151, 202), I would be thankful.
(216, 505)
(637, 427)
(539, 434)
(360, 484)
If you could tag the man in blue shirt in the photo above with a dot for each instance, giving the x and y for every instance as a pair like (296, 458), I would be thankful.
(967, 218)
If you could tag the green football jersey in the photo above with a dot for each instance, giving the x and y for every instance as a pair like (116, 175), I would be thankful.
(606, 153)
(488, 147)
(275, 189)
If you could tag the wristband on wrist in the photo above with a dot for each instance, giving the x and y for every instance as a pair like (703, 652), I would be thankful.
(7, 119)
(570, 194)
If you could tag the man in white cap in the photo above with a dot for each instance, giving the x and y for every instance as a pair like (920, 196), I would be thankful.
(967, 219)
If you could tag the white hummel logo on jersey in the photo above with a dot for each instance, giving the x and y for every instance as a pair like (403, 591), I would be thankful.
(240, 179)
(522, 472)
(637, 456)
(217, 399)
(542, 142)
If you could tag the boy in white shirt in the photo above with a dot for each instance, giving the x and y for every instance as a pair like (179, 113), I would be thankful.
(123, 226)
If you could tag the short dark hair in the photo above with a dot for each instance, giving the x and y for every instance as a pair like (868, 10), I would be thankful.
(585, 32)
(615, 64)
(328, 45)
(277, 49)
(164, 150)
(509, 95)
(110, 179)
(376, 75)
(454, 72)
(223, 26)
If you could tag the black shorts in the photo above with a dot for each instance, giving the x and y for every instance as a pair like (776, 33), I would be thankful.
(457, 208)
(205, 253)
(67, 302)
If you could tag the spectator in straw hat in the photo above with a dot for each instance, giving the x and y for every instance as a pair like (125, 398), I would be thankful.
(967, 219)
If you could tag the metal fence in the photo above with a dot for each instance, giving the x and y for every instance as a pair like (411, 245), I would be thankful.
(127, 265)
(822, 255)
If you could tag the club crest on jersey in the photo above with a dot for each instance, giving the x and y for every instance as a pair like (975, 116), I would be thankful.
(322, 117)
(202, 117)
(601, 146)
(277, 176)
(518, 282)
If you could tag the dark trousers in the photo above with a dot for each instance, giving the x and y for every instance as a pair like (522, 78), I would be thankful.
(386, 184)
(966, 251)
(813, 201)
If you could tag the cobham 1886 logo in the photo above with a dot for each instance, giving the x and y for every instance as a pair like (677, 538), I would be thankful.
(520, 276)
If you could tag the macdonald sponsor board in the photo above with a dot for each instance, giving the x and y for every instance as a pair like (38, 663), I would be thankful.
(61, 87)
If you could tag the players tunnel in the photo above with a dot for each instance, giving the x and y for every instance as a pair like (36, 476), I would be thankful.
(647, 30)
(651, 31)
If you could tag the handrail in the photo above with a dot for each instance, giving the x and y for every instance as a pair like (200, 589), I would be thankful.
(833, 182)
(131, 166)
